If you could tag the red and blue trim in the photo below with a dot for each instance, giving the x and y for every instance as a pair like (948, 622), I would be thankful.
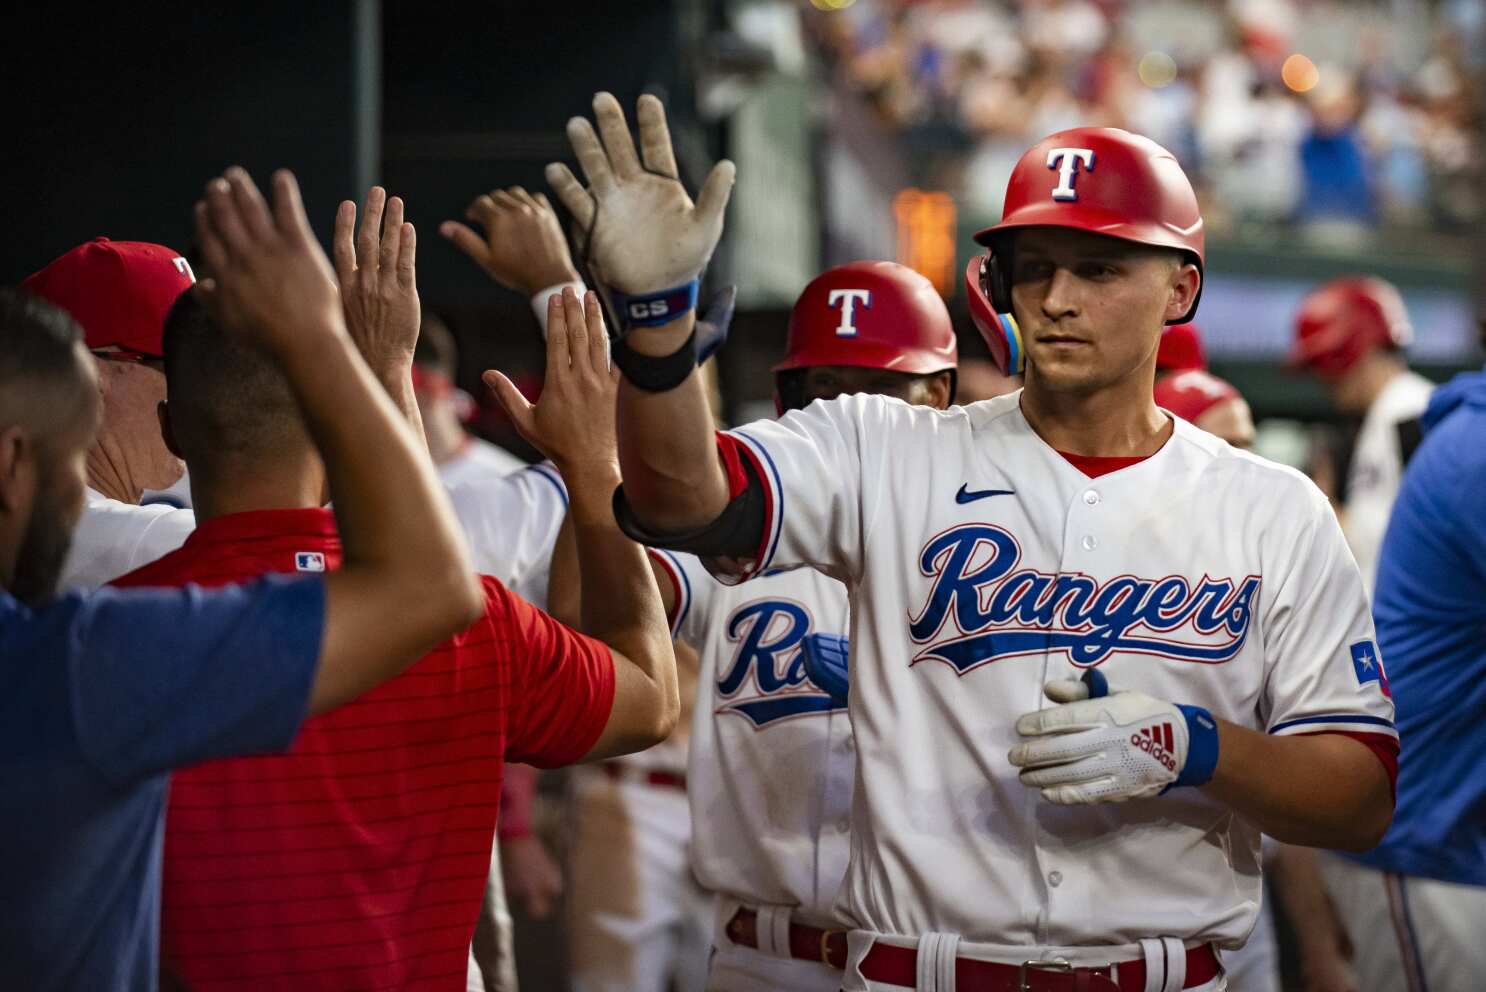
(737, 442)
(546, 471)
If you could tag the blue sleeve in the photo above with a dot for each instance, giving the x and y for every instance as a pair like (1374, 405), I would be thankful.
(164, 678)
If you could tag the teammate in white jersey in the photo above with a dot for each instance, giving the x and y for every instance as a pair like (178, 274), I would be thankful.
(772, 756)
(1351, 333)
(1014, 822)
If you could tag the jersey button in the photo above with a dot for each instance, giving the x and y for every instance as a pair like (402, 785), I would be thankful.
(1091, 497)
(1090, 542)
(843, 825)
(1055, 878)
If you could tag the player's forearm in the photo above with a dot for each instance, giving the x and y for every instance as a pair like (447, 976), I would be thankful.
(621, 607)
(564, 598)
(394, 518)
(673, 480)
(397, 379)
(1319, 791)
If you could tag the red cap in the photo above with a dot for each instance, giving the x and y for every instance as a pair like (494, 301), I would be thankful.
(1181, 349)
(1343, 320)
(1192, 393)
(119, 291)
(879, 315)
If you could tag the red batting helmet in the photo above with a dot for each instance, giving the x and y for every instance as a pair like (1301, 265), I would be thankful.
(1343, 320)
(1191, 393)
(878, 315)
(119, 291)
(1096, 179)
(1180, 349)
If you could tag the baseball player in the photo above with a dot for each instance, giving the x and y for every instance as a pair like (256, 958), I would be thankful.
(1014, 821)
(107, 692)
(773, 846)
(1350, 333)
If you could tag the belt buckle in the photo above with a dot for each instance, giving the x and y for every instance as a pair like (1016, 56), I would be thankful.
(825, 948)
(1055, 964)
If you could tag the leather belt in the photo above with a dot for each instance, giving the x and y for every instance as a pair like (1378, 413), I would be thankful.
(666, 780)
(806, 943)
(899, 966)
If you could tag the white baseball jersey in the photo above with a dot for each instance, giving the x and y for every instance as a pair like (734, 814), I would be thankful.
(478, 461)
(772, 756)
(982, 564)
(114, 538)
(1377, 468)
(511, 524)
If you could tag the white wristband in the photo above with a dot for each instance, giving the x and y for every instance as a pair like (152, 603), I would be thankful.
(539, 300)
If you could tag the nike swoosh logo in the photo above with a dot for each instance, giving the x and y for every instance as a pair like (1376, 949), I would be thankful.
(966, 496)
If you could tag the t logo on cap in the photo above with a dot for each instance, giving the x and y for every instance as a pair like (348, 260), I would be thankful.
(847, 300)
(1066, 160)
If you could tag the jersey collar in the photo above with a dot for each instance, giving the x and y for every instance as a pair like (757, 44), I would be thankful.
(264, 524)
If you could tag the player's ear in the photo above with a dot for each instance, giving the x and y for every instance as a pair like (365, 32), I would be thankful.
(937, 390)
(1186, 280)
(162, 411)
(18, 470)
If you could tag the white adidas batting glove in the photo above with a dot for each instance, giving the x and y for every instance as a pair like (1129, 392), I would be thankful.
(639, 229)
(1100, 747)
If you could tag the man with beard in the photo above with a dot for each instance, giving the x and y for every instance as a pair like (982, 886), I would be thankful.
(104, 694)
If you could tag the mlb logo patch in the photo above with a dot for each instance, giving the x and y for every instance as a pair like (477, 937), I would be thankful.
(1368, 665)
(309, 561)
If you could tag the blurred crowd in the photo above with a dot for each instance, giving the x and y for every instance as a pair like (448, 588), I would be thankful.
(1284, 112)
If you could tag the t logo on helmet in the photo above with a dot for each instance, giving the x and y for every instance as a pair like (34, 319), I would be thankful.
(847, 300)
(1066, 160)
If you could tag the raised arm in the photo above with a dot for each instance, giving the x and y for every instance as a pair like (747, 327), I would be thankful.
(406, 581)
(572, 424)
(519, 244)
(376, 268)
(647, 244)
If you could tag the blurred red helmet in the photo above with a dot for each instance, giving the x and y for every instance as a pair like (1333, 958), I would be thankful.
(119, 291)
(1180, 349)
(1192, 393)
(1343, 320)
(1096, 179)
(878, 315)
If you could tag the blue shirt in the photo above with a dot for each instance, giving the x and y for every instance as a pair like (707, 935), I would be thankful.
(1430, 609)
(101, 695)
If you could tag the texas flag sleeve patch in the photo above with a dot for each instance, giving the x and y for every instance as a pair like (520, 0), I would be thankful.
(1368, 665)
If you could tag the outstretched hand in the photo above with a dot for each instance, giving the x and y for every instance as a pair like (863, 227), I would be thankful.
(639, 228)
(270, 282)
(376, 269)
(573, 421)
(522, 246)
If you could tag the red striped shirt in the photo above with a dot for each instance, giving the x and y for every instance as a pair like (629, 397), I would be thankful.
(358, 858)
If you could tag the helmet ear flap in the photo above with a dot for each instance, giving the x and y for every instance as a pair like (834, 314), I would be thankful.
(998, 277)
(996, 325)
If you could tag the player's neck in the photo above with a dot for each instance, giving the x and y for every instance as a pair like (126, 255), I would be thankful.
(1119, 422)
(242, 489)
